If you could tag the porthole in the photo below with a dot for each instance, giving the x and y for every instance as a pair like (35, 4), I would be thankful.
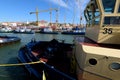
(115, 66)
(92, 61)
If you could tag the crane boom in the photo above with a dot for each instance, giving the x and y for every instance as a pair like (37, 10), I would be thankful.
(40, 11)
(44, 10)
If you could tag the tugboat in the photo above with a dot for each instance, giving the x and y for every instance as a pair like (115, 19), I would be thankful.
(48, 30)
(75, 31)
(6, 29)
(24, 30)
(97, 54)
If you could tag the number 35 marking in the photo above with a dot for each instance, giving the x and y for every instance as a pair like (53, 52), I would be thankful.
(107, 31)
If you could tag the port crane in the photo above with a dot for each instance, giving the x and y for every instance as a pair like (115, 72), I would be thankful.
(65, 15)
(40, 11)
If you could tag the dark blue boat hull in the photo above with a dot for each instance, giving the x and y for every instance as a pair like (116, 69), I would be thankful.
(62, 71)
(9, 40)
(25, 58)
(23, 32)
(42, 32)
(73, 33)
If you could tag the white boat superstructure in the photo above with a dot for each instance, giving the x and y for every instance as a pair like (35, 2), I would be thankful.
(47, 29)
(6, 29)
(23, 30)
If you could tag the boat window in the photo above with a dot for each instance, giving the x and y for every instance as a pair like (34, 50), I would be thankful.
(92, 61)
(109, 5)
(97, 20)
(112, 20)
(119, 9)
(95, 9)
(115, 66)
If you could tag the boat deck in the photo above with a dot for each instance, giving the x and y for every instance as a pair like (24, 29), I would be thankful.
(88, 42)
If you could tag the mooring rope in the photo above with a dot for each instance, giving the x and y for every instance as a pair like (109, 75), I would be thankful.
(43, 76)
(20, 64)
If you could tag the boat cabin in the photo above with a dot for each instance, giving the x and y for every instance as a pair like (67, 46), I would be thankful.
(94, 59)
(103, 21)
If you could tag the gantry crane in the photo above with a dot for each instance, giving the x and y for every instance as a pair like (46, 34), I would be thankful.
(51, 9)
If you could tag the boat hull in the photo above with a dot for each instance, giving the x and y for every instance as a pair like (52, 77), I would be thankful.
(48, 32)
(30, 68)
(96, 61)
(4, 40)
(57, 66)
(73, 33)
(23, 32)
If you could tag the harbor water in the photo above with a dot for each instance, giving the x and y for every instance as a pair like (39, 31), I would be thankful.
(8, 54)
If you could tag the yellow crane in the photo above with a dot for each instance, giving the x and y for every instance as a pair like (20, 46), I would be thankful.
(51, 9)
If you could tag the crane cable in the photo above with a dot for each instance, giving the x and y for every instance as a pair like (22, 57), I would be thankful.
(20, 64)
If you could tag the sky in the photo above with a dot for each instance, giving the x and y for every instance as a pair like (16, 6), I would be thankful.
(19, 10)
